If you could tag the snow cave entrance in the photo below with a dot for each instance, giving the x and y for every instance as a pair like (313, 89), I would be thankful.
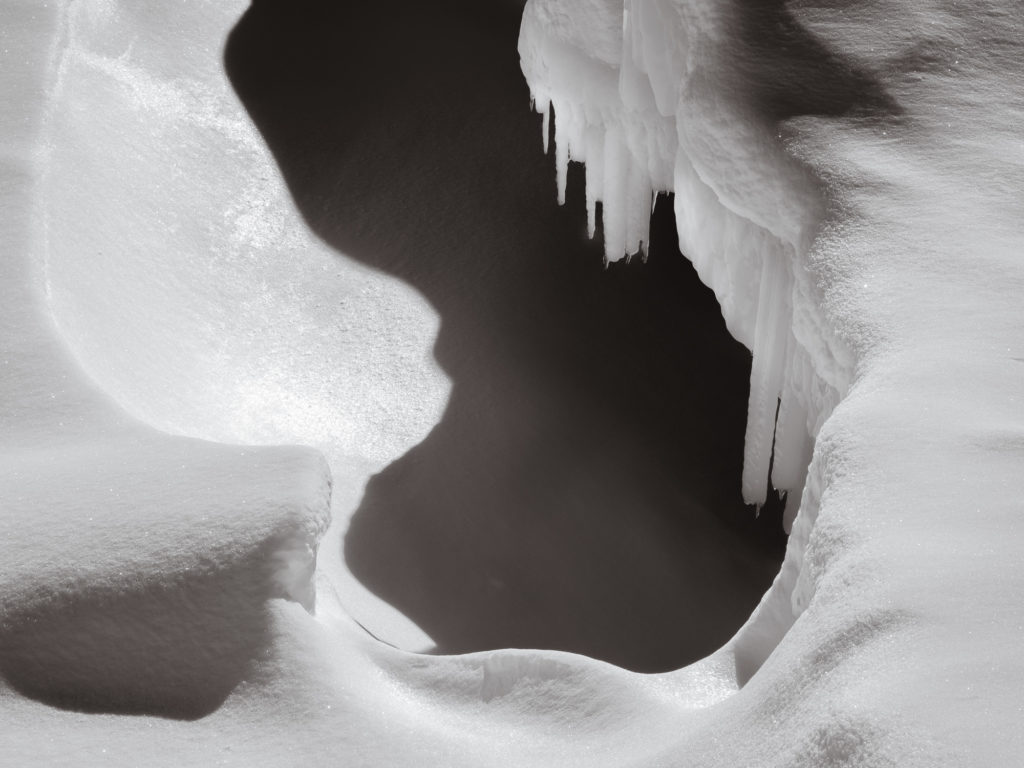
(582, 490)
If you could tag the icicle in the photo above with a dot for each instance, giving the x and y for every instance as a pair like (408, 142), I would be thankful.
(591, 206)
(613, 208)
(544, 107)
(797, 491)
(594, 143)
(638, 202)
(791, 440)
(561, 153)
(644, 218)
(766, 372)
(645, 246)
(793, 443)
(633, 185)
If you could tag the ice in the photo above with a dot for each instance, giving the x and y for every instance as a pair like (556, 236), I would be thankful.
(770, 334)
(544, 108)
(613, 205)
(594, 180)
(728, 157)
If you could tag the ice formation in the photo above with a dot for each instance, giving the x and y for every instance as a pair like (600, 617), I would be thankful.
(834, 170)
(636, 101)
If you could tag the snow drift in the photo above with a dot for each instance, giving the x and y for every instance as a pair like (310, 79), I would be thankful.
(848, 181)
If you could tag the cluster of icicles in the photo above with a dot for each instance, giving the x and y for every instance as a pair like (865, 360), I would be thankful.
(635, 99)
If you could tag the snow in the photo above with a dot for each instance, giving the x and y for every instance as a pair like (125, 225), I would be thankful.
(178, 473)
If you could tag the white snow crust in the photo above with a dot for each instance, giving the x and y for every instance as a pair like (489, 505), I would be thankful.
(847, 179)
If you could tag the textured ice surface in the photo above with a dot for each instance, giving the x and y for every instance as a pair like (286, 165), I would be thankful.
(848, 181)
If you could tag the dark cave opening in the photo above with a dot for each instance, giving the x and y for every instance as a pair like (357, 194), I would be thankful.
(582, 491)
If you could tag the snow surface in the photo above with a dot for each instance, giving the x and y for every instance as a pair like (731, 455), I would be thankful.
(847, 180)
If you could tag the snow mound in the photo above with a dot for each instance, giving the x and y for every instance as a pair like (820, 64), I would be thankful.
(138, 567)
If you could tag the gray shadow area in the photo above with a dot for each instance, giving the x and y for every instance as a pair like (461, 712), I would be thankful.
(782, 69)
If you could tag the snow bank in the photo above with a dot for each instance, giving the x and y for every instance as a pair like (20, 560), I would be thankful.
(137, 566)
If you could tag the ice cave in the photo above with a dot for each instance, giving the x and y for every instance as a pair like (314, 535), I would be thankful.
(501, 383)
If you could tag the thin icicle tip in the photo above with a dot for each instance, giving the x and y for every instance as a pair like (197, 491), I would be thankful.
(561, 157)
(546, 125)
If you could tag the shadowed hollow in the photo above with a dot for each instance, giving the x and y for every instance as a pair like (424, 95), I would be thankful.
(582, 491)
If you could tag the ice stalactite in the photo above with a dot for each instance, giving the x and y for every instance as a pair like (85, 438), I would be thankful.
(793, 443)
(645, 117)
(616, 176)
(623, 149)
(594, 144)
(561, 158)
(545, 109)
(766, 373)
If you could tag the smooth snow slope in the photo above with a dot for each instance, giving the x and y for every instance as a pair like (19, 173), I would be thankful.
(136, 564)
(899, 219)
